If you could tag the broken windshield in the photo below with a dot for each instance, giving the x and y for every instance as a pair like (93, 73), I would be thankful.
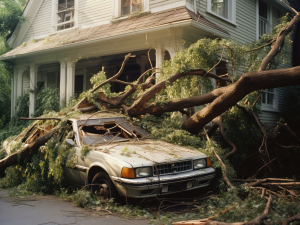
(108, 130)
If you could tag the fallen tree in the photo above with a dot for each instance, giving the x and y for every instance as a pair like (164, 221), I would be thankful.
(140, 98)
(220, 99)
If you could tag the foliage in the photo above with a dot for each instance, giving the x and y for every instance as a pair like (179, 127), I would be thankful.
(47, 99)
(291, 111)
(43, 172)
(16, 125)
(96, 80)
(10, 15)
(85, 149)
(242, 130)
(4, 94)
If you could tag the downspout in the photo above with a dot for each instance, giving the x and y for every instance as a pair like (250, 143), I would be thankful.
(195, 6)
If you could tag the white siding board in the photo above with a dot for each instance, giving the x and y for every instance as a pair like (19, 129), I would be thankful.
(94, 11)
(245, 32)
(158, 3)
(269, 118)
(41, 24)
(26, 81)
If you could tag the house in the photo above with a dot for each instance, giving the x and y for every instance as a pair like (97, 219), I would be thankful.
(64, 42)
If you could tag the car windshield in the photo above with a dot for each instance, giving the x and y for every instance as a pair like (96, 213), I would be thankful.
(108, 130)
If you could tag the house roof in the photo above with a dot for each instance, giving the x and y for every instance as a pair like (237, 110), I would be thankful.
(114, 29)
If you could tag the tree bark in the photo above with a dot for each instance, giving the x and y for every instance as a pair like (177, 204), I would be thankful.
(29, 150)
(233, 93)
(291, 219)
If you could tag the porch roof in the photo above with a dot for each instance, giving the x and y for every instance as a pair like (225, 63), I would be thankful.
(116, 28)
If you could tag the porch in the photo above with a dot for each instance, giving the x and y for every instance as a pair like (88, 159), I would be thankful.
(69, 60)
(72, 77)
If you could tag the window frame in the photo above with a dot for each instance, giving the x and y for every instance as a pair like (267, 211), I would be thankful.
(269, 107)
(269, 19)
(231, 11)
(55, 23)
(118, 10)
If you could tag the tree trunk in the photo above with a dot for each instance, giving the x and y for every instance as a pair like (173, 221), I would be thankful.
(29, 150)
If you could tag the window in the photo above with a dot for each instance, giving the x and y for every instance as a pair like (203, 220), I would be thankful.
(126, 7)
(130, 6)
(65, 14)
(224, 9)
(220, 7)
(263, 18)
(269, 99)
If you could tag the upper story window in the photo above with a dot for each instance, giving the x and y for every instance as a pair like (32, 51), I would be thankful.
(65, 14)
(220, 7)
(126, 7)
(263, 18)
(224, 9)
(130, 6)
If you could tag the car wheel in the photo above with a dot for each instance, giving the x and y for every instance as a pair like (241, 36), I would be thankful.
(103, 186)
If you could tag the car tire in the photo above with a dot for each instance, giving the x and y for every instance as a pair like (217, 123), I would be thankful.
(106, 188)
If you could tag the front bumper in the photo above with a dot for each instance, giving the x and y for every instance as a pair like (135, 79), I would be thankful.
(166, 184)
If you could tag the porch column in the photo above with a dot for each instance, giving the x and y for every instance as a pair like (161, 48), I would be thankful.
(174, 46)
(160, 55)
(63, 82)
(14, 91)
(70, 79)
(33, 86)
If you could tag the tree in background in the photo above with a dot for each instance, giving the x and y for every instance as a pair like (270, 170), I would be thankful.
(10, 15)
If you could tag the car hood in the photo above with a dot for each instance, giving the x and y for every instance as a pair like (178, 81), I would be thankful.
(149, 152)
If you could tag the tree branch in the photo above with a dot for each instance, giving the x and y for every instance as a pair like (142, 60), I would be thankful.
(279, 42)
(291, 219)
(248, 83)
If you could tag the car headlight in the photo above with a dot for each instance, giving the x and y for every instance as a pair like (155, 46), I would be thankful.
(143, 172)
(199, 163)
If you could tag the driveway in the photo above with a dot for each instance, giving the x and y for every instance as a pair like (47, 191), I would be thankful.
(50, 210)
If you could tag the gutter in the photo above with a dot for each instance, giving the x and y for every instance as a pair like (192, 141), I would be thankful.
(188, 22)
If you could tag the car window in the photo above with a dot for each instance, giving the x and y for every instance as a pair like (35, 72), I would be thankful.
(98, 131)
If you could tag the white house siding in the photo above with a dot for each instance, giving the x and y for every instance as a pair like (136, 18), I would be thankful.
(94, 12)
(245, 31)
(268, 117)
(275, 17)
(157, 5)
(26, 81)
(41, 25)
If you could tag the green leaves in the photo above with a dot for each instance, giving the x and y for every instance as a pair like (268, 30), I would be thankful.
(10, 15)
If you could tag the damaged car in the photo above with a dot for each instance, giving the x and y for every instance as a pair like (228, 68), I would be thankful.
(119, 159)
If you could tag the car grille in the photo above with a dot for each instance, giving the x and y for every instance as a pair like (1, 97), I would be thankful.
(171, 168)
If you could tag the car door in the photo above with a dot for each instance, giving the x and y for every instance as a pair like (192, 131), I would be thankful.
(73, 174)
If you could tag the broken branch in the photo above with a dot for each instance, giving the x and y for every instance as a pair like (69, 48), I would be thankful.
(41, 118)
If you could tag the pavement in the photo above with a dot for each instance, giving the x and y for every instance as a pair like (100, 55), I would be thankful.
(50, 210)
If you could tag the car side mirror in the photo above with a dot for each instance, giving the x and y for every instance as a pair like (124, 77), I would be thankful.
(71, 142)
